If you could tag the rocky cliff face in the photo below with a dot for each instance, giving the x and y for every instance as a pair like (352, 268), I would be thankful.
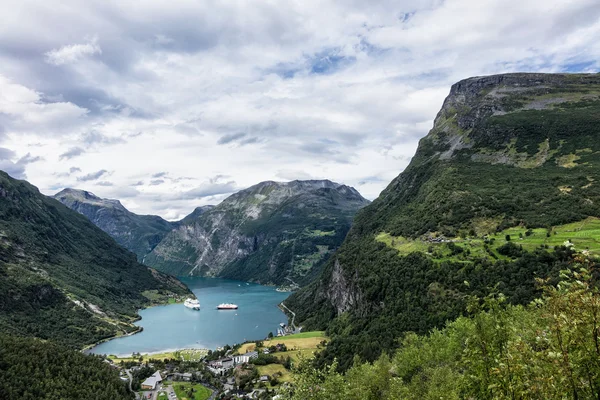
(514, 150)
(137, 233)
(272, 233)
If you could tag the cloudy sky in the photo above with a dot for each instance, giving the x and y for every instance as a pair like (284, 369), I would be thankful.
(168, 105)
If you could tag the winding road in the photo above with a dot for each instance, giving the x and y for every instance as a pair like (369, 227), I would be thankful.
(293, 315)
(130, 382)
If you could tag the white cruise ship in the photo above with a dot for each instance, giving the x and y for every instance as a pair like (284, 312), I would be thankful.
(194, 304)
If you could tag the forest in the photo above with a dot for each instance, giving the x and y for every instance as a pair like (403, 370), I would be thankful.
(547, 349)
(31, 369)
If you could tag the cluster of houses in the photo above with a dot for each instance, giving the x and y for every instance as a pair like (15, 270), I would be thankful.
(220, 366)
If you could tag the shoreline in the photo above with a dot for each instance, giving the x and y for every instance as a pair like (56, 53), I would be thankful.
(139, 329)
(117, 357)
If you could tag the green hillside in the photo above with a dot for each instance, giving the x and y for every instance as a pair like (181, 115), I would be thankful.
(137, 233)
(62, 278)
(508, 155)
(546, 350)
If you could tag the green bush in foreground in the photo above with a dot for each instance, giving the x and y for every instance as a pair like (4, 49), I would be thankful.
(547, 350)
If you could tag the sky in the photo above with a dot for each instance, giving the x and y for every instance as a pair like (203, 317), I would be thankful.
(169, 105)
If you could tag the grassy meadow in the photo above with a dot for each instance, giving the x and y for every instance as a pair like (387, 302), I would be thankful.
(583, 235)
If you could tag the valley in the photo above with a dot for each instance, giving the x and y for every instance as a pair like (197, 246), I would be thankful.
(492, 229)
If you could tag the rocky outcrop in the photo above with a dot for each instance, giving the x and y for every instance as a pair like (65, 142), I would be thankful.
(341, 291)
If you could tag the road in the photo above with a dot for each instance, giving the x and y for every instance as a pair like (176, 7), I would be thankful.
(293, 315)
(130, 382)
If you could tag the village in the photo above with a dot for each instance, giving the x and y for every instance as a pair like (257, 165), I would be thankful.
(251, 370)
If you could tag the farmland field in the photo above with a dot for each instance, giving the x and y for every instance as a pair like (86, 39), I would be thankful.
(583, 236)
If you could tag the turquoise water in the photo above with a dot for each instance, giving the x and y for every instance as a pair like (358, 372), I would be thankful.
(175, 326)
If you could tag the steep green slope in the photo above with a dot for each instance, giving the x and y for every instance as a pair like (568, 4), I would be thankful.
(61, 277)
(271, 233)
(516, 150)
(547, 350)
(33, 370)
(137, 233)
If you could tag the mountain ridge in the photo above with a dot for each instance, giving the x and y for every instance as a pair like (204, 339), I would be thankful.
(513, 150)
(137, 233)
(270, 233)
(63, 278)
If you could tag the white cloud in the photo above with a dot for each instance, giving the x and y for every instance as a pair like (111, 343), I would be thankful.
(71, 53)
(260, 91)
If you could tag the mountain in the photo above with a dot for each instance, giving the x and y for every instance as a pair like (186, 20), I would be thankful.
(137, 233)
(64, 279)
(503, 190)
(271, 233)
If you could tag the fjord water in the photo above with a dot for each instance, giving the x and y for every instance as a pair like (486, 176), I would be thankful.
(174, 326)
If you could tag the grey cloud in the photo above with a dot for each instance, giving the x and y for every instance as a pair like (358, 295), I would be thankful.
(156, 182)
(28, 159)
(13, 169)
(159, 174)
(95, 137)
(240, 138)
(72, 170)
(138, 183)
(210, 189)
(92, 176)
(372, 179)
(104, 183)
(71, 153)
(124, 192)
(292, 174)
(318, 148)
(231, 137)
(251, 140)
(6, 154)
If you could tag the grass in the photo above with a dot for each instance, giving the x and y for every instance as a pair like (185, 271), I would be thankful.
(182, 388)
(299, 344)
(299, 341)
(303, 335)
(583, 235)
(295, 354)
(272, 369)
(185, 354)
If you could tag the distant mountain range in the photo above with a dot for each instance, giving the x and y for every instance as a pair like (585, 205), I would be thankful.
(64, 279)
(272, 232)
(138, 233)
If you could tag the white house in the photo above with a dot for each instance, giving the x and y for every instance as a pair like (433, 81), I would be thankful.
(150, 383)
(244, 358)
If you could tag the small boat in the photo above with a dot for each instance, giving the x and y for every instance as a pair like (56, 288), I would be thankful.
(194, 304)
(227, 306)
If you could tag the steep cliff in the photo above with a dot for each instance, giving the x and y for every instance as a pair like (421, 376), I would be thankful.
(137, 233)
(507, 174)
(271, 232)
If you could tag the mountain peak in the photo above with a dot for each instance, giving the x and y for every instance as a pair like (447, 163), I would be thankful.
(270, 232)
(78, 195)
(474, 117)
(138, 233)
